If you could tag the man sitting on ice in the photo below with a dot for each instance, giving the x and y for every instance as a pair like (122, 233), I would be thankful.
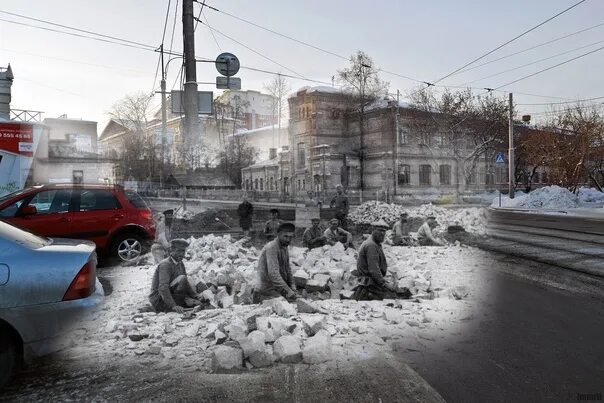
(424, 234)
(313, 237)
(335, 234)
(274, 274)
(170, 288)
(372, 268)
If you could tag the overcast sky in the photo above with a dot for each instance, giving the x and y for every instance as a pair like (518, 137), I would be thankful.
(425, 40)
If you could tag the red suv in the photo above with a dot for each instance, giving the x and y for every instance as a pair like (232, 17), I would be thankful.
(117, 220)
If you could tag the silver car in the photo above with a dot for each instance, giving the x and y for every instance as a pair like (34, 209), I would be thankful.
(45, 285)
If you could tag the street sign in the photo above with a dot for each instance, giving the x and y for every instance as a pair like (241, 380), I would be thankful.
(227, 64)
(205, 102)
(500, 158)
(228, 83)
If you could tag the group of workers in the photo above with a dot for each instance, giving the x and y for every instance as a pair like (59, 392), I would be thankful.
(171, 290)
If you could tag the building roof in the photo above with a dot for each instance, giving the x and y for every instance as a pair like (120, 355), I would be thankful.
(210, 177)
(265, 163)
(270, 128)
(114, 127)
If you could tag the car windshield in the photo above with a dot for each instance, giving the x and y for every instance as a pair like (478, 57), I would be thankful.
(23, 238)
(11, 195)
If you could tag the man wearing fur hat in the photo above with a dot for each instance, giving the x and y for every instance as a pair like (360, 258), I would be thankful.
(372, 268)
(170, 288)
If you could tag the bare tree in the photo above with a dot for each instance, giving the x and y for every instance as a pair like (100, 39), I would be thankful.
(467, 125)
(137, 155)
(278, 88)
(236, 155)
(361, 79)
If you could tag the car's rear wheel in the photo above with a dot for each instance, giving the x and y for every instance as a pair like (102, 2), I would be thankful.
(127, 247)
(9, 358)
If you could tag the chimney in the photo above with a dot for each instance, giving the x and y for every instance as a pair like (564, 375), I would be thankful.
(6, 82)
(272, 153)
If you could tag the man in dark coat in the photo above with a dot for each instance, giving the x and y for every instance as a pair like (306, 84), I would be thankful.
(245, 212)
(274, 274)
(372, 268)
(341, 204)
(170, 288)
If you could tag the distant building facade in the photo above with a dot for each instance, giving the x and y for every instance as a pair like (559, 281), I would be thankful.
(325, 150)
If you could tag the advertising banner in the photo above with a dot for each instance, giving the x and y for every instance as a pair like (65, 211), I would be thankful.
(18, 143)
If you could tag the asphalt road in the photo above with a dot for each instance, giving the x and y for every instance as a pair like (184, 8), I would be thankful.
(536, 344)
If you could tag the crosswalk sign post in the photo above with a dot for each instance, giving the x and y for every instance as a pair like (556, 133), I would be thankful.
(500, 160)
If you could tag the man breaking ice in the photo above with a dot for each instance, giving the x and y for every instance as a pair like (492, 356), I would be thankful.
(275, 278)
(372, 268)
(170, 288)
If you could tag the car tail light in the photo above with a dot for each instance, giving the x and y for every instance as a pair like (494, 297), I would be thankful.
(146, 214)
(83, 285)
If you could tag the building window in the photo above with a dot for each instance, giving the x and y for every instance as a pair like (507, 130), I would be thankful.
(286, 184)
(301, 155)
(425, 139)
(255, 184)
(439, 139)
(445, 174)
(403, 136)
(489, 178)
(247, 184)
(270, 181)
(303, 184)
(404, 175)
(298, 184)
(425, 171)
(261, 184)
(78, 177)
(471, 176)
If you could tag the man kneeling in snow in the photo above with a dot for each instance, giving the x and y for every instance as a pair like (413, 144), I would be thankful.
(372, 268)
(275, 278)
(424, 234)
(170, 288)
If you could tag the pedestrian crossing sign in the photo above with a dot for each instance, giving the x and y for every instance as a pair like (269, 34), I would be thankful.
(500, 158)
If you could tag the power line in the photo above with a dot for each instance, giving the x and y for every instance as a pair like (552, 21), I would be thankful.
(146, 47)
(535, 62)
(508, 42)
(252, 50)
(213, 36)
(531, 48)
(561, 103)
(159, 58)
(310, 45)
(72, 28)
(74, 61)
(551, 67)
(174, 25)
(275, 32)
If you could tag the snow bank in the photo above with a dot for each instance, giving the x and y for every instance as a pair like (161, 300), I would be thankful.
(552, 197)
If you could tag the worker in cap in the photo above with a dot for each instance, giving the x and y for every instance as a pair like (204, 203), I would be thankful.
(425, 233)
(400, 231)
(372, 268)
(314, 236)
(271, 226)
(170, 288)
(341, 204)
(274, 274)
(335, 234)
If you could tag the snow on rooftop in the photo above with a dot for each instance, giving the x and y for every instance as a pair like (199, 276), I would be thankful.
(284, 125)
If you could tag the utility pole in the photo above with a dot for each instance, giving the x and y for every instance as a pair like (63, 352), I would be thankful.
(164, 123)
(191, 124)
(511, 147)
(396, 144)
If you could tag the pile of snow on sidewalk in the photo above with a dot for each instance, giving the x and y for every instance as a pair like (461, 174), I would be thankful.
(553, 197)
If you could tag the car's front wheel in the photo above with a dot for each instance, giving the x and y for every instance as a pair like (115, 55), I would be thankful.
(127, 247)
(9, 358)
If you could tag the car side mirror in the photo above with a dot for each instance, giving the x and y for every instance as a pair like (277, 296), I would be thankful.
(28, 210)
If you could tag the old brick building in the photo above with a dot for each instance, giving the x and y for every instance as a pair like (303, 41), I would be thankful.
(325, 150)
